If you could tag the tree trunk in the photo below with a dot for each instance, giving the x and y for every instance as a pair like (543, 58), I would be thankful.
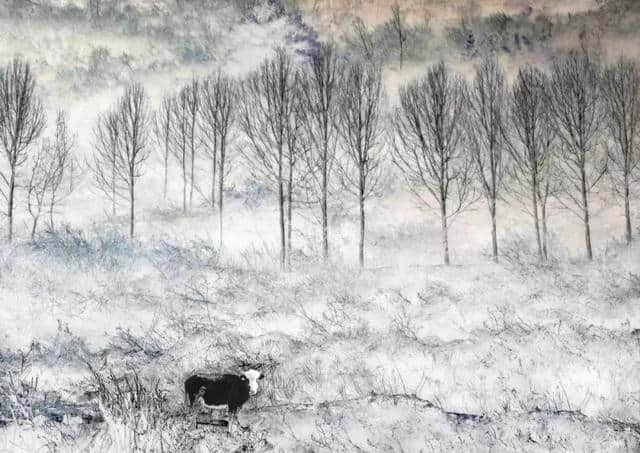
(166, 170)
(213, 169)
(113, 184)
(132, 207)
(221, 190)
(585, 212)
(534, 207)
(282, 222)
(545, 243)
(51, 205)
(34, 226)
(184, 185)
(362, 222)
(289, 213)
(12, 186)
(494, 231)
(281, 204)
(193, 158)
(71, 171)
(323, 208)
(627, 211)
(445, 231)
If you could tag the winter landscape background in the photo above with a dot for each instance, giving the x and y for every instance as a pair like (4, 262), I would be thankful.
(518, 352)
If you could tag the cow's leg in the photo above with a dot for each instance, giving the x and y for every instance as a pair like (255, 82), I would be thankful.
(233, 414)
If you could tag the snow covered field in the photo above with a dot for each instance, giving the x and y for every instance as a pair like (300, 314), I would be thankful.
(404, 356)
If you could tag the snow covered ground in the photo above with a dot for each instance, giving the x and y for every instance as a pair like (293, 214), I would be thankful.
(406, 355)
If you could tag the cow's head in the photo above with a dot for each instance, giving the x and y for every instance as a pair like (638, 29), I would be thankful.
(253, 376)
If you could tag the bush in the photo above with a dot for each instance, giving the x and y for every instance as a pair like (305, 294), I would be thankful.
(521, 252)
(108, 248)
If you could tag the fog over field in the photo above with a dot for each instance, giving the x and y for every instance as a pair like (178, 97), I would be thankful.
(418, 220)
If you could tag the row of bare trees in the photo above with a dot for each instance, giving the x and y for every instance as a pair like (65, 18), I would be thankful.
(198, 121)
(296, 119)
(548, 135)
(313, 128)
(22, 123)
(286, 121)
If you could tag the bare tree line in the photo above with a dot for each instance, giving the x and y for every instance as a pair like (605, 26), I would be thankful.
(311, 129)
(122, 148)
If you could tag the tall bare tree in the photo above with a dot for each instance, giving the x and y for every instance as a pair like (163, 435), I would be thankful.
(103, 165)
(399, 27)
(191, 95)
(133, 112)
(576, 107)
(429, 148)
(264, 115)
(550, 183)
(209, 118)
(39, 183)
(621, 91)
(51, 166)
(22, 120)
(63, 165)
(297, 147)
(361, 130)
(180, 135)
(531, 144)
(320, 88)
(218, 112)
(485, 128)
(162, 124)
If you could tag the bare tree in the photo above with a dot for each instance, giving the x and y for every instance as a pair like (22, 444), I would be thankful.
(192, 99)
(361, 130)
(219, 106)
(134, 115)
(550, 182)
(209, 118)
(428, 145)
(264, 116)
(22, 120)
(104, 167)
(39, 183)
(531, 145)
(485, 127)
(399, 27)
(95, 11)
(577, 114)
(51, 165)
(162, 125)
(180, 139)
(621, 91)
(126, 131)
(63, 164)
(363, 38)
(297, 147)
(320, 87)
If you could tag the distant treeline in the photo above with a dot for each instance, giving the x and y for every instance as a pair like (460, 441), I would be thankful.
(320, 128)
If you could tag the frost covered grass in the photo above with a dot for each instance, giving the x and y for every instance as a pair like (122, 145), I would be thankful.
(515, 356)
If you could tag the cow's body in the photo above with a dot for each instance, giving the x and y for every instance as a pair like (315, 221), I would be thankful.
(226, 391)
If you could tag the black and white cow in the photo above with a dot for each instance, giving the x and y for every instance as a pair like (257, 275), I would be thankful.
(228, 391)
